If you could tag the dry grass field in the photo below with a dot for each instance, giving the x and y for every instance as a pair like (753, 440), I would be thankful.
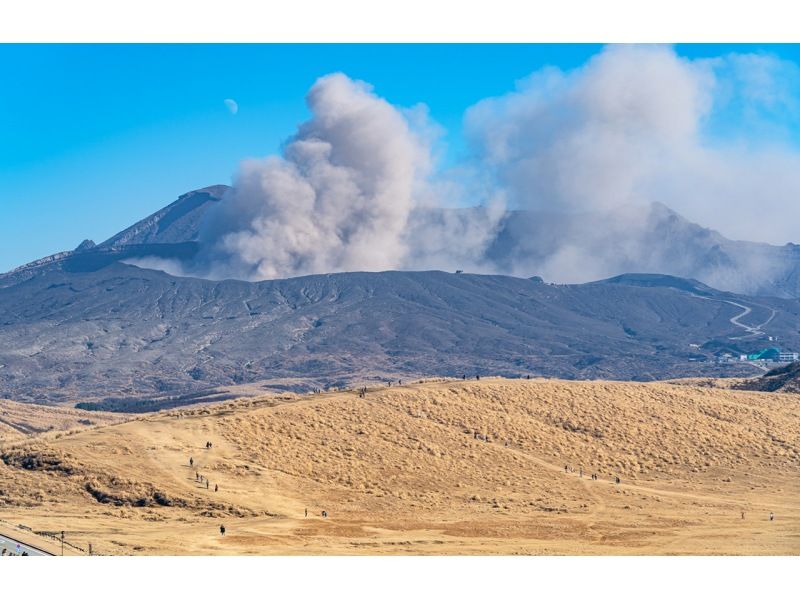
(430, 468)
(22, 420)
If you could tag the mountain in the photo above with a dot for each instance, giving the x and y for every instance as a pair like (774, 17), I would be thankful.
(83, 325)
(650, 238)
(126, 331)
(179, 222)
(170, 233)
(557, 246)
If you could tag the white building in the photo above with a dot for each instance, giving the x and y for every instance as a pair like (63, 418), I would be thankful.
(787, 357)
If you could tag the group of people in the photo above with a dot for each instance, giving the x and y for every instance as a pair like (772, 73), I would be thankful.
(568, 469)
(19, 552)
(201, 479)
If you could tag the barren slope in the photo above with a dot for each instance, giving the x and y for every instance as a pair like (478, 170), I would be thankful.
(402, 471)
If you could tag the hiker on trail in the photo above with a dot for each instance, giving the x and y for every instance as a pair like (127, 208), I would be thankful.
(528, 377)
(463, 376)
(206, 483)
(306, 512)
(772, 516)
(222, 530)
(566, 469)
(324, 514)
(742, 514)
(477, 377)
(216, 487)
(191, 461)
(581, 472)
(617, 479)
(196, 477)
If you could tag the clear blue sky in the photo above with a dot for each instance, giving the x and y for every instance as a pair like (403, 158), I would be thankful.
(95, 137)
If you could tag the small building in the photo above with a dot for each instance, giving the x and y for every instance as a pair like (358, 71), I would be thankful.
(788, 357)
(770, 354)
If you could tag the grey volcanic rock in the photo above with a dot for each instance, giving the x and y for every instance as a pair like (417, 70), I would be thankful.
(653, 239)
(125, 331)
(82, 325)
(179, 222)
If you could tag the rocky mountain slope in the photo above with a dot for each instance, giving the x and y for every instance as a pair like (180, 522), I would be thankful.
(126, 331)
(83, 325)
(644, 239)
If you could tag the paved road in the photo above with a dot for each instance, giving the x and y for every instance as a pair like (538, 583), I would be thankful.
(753, 330)
(11, 545)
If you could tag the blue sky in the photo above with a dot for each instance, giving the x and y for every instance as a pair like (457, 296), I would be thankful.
(95, 137)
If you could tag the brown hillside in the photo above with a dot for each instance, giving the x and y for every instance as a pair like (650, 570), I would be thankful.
(22, 420)
(433, 468)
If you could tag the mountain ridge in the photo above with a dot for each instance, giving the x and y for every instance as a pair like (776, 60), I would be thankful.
(127, 331)
(677, 246)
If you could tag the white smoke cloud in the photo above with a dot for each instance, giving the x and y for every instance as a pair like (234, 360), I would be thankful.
(639, 124)
(591, 153)
(340, 198)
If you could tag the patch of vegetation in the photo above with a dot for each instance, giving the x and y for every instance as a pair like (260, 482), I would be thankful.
(148, 405)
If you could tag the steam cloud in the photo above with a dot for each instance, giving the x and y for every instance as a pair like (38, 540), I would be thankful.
(350, 193)
(594, 154)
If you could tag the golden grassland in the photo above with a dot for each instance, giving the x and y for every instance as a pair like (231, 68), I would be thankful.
(447, 467)
(22, 420)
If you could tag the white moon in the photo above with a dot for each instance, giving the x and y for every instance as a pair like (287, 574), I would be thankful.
(232, 106)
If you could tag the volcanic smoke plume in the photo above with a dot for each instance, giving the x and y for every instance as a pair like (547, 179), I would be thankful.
(357, 187)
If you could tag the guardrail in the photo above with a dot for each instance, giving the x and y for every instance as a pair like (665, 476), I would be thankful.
(56, 536)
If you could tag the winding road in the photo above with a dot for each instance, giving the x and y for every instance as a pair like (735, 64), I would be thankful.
(11, 545)
(753, 330)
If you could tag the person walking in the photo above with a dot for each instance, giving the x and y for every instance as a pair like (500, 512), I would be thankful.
(216, 487)
(306, 511)
(206, 483)
(222, 530)
(772, 516)
(191, 461)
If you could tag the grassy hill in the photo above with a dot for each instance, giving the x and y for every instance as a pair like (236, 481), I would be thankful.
(433, 468)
